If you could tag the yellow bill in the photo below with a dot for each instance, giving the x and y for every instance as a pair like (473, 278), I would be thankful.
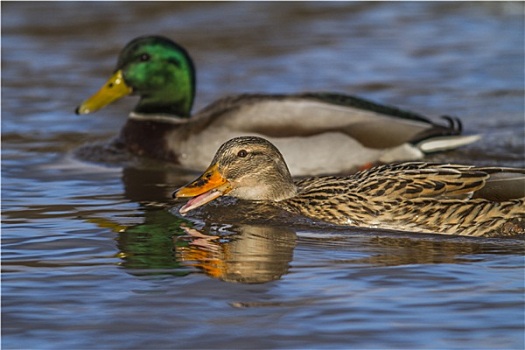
(112, 90)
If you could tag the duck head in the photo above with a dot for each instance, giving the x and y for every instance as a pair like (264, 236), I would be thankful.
(158, 70)
(245, 167)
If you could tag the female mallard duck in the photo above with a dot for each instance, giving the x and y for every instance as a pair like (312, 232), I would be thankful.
(416, 196)
(340, 132)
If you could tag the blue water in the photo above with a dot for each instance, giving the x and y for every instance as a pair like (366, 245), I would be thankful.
(95, 256)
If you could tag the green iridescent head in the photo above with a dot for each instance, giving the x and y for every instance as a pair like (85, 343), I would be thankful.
(158, 70)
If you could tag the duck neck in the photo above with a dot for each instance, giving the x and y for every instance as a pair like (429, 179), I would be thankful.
(158, 105)
(277, 187)
(287, 190)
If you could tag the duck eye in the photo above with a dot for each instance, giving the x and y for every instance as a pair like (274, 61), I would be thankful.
(242, 153)
(144, 57)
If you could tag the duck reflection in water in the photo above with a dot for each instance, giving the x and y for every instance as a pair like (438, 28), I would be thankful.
(260, 253)
(395, 250)
(254, 254)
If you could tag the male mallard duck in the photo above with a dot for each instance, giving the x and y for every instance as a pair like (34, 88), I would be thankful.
(416, 196)
(340, 133)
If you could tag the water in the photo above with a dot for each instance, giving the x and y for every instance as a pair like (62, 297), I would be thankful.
(94, 255)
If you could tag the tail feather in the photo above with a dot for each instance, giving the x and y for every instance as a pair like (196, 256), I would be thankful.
(444, 143)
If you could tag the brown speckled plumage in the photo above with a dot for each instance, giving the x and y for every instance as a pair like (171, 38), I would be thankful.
(417, 197)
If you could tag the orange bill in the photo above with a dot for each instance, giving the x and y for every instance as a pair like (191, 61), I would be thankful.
(114, 89)
(210, 185)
